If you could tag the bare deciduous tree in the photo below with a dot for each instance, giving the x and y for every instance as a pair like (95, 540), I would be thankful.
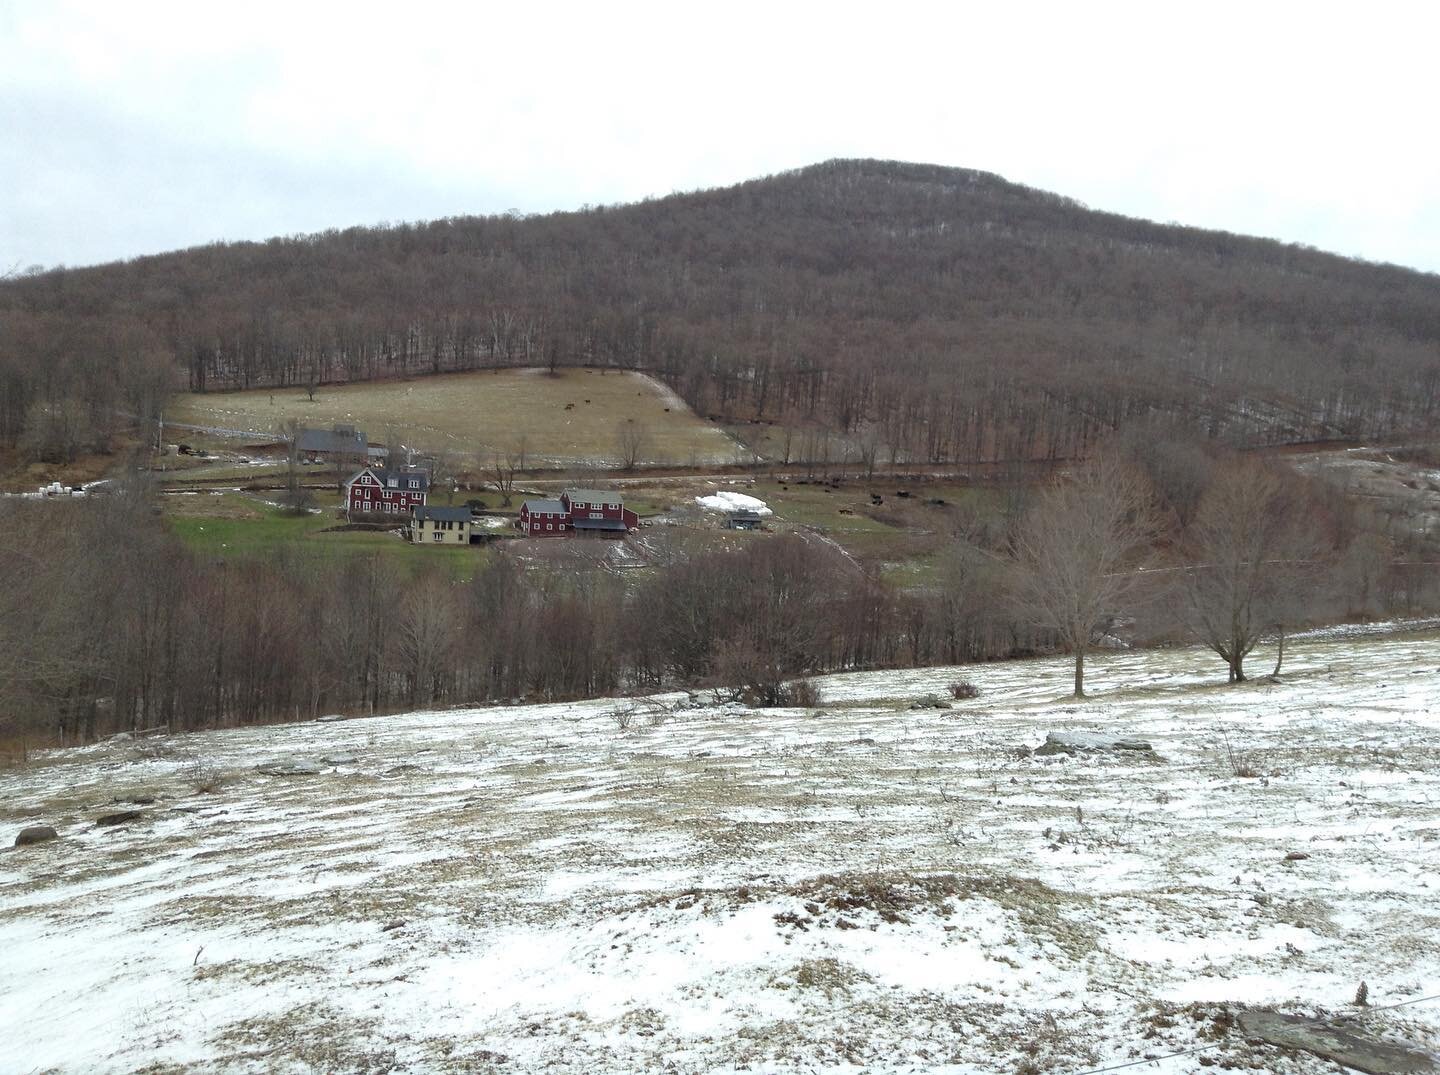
(1078, 553)
(1250, 548)
(632, 440)
(504, 466)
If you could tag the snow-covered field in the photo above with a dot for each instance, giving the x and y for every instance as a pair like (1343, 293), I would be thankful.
(861, 887)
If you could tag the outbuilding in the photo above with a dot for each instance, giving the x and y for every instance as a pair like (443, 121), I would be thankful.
(440, 526)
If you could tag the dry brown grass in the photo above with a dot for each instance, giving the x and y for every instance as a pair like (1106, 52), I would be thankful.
(572, 417)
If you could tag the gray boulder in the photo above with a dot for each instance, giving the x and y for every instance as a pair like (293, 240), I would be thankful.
(1090, 743)
(123, 817)
(288, 767)
(1345, 1047)
(35, 834)
(930, 701)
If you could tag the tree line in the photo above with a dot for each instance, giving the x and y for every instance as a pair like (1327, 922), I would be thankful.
(1224, 549)
(925, 314)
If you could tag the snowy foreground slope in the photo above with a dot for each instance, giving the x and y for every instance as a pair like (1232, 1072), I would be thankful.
(862, 887)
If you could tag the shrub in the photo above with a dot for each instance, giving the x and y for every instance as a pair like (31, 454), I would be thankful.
(801, 693)
(204, 777)
(962, 689)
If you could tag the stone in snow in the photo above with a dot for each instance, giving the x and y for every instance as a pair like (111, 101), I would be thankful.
(121, 818)
(1088, 742)
(288, 767)
(1345, 1047)
(35, 834)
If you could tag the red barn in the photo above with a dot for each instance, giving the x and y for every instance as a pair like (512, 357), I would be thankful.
(584, 511)
(376, 491)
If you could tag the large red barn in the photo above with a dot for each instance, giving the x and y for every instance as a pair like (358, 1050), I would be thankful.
(582, 511)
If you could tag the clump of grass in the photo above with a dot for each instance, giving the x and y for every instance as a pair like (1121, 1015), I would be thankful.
(963, 690)
(204, 776)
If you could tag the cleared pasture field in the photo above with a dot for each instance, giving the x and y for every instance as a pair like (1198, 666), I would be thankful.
(234, 526)
(572, 417)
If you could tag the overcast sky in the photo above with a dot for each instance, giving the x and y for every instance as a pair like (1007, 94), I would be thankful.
(132, 128)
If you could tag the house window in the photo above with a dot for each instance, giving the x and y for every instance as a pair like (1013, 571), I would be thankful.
(439, 536)
(597, 515)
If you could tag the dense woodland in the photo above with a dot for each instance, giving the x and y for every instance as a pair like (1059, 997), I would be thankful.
(925, 313)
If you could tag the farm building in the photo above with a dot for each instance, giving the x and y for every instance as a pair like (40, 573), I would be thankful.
(440, 526)
(585, 511)
(743, 519)
(377, 491)
(338, 442)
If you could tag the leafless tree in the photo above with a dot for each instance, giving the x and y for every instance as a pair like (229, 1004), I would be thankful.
(296, 497)
(632, 440)
(426, 635)
(1078, 554)
(1251, 544)
(504, 465)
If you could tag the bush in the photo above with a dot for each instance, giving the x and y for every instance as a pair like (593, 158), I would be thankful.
(963, 689)
(204, 777)
(802, 693)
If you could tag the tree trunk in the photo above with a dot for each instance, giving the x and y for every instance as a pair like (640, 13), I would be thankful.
(1079, 672)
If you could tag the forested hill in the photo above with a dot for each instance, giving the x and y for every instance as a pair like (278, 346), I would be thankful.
(942, 314)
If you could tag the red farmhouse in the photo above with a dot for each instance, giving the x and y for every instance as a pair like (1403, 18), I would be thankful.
(585, 511)
(375, 491)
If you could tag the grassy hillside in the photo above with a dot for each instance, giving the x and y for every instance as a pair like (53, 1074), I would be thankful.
(572, 416)
(611, 886)
(232, 526)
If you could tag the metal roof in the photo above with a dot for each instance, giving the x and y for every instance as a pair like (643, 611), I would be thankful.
(340, 439)
(383, 476)
(454, 515)
(597, 524)
(593, 496)
(553, 507)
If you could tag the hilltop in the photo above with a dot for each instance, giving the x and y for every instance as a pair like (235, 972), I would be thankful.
(925, 313)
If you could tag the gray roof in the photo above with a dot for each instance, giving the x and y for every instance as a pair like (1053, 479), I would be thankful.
(554, 507)
(454, 515)
(597, 524)
(399, 475)
(339, 439)
(593, 496)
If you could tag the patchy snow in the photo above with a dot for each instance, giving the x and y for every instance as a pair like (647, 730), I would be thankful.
(860, 887)
(726, 500)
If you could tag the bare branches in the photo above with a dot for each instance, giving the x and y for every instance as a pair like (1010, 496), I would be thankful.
(1078, 552)
(1251, 544)
(632, 440)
